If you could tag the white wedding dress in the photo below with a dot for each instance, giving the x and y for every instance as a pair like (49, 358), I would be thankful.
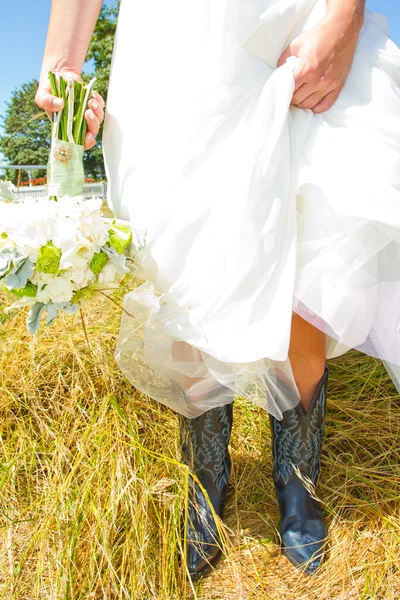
(245, 207)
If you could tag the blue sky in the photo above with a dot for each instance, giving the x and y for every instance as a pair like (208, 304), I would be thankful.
(23, 35)
(22, 40)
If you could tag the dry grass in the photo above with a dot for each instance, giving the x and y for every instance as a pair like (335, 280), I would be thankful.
(88, 511)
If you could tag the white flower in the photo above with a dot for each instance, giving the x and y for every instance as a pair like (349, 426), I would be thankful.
(34, 256)
(75, 226)
(41, 279)
(28, 225)
(66, 234)
(99, 234)
(93, 204)
(4, 242)
(78, 257)
(108, 274)
(43, 295)
(7, 190)
(80, 277)
(58, 290)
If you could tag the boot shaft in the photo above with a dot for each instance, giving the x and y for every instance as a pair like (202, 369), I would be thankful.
(297, 439)
(204, 445)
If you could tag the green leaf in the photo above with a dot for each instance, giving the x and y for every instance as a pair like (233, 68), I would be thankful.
(29, 291)
(49, 259)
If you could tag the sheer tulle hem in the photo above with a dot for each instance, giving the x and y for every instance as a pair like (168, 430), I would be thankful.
(185, 378)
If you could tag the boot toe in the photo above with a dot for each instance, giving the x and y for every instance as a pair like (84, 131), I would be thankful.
(203, 542)
(201, 562)
(303, 545)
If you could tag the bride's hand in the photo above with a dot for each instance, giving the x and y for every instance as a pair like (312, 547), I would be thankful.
(94, 114)
(325, 54)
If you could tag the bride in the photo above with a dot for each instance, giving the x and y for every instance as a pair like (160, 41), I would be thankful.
(255, 148)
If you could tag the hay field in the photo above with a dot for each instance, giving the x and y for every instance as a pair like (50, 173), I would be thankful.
(91, 493)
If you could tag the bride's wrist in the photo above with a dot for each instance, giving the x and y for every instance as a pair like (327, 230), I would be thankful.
(60, 66)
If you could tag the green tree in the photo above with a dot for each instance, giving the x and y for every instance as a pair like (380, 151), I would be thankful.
(26, 138)
(101, 46)
(100, 52)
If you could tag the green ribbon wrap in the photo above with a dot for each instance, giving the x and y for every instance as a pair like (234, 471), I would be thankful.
(65, 174)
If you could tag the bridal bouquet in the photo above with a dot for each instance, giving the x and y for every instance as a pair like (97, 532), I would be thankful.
(57, 253)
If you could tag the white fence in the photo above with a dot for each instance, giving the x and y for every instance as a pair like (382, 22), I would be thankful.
(99, 190)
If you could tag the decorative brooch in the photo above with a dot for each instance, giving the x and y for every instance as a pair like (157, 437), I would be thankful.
(63, 154)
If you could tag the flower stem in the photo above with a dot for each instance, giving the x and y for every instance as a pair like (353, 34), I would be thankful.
(69, 124)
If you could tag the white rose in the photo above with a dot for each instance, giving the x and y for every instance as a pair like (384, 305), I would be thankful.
(66, 234)
(34, 256)
(76, 275)
(93, 204)
(43, 295)
(40, 279)
(77, 257)
(108, 274)
(99, 230)
(58, 290)
(80, 277)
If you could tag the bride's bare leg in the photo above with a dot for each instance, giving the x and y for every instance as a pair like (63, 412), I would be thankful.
(183, 352)
(307, 357)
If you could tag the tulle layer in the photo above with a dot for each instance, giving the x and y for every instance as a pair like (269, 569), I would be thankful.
(184, 377)
(247, 208)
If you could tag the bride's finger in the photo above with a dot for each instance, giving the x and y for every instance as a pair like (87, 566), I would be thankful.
(93, 123)
(311, 100)
(326, 102)
(96, 96)
(301, 75)
(48, 102)
(89, 141)
(303, 92)
(97, 109)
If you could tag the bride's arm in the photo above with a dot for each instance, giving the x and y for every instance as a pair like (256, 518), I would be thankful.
(349, 18)
(353, 8)
(70, 29)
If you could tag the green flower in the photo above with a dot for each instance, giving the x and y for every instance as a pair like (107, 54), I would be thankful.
(98, 262)
(49, 259)
(29, 291)
(120, 237)
(85, 293)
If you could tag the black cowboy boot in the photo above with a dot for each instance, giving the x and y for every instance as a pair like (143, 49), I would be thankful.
(204, 444)
(297, 440)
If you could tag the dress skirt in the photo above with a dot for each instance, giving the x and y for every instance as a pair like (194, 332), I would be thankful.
(246, 208)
